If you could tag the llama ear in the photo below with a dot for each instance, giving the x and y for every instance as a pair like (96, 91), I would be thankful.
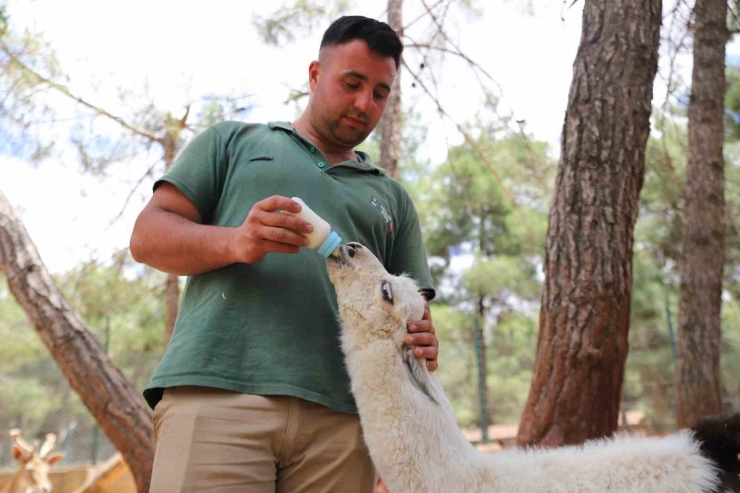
(54, 458)
(419, 375)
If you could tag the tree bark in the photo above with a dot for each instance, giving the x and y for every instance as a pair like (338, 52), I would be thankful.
(392, 121)
(172, 285)
(110, 397)
(584, 319)
(698, 384)
(486, 415)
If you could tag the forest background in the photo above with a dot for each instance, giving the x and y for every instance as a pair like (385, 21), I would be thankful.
(484, 91)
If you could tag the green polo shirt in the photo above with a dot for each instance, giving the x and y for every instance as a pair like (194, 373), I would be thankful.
(271, 327)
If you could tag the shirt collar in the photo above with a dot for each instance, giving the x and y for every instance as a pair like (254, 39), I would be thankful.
(365, 163)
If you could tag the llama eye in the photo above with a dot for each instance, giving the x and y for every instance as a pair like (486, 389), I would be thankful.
(385, 288)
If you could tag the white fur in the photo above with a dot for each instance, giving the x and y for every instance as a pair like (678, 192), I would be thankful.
(414, 439)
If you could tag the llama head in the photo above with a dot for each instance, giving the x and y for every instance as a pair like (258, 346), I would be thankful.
(33, 463)
(373, 303)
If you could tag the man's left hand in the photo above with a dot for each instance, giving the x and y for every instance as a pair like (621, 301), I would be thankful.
(421, 334)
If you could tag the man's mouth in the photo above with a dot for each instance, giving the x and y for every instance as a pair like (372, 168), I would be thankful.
(355, 122)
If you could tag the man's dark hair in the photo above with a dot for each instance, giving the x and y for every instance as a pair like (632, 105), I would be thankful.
(379, 36)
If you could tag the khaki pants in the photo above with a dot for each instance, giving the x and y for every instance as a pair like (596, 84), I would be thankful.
(217, 441)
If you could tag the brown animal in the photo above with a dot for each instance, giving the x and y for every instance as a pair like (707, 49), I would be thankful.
(33, 465)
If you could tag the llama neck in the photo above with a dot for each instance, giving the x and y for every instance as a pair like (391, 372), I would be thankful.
(16, 484)
(407, 434)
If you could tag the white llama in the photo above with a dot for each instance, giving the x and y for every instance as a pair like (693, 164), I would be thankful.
(416, 445)
(32, 475)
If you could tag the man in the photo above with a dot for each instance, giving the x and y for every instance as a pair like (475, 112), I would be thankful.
(252, 394)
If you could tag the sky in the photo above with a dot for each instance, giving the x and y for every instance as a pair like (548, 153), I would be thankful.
(187, 49)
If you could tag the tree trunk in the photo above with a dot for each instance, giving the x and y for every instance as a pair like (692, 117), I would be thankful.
(486, 414)
(584, 319)
(172, 286)
(392, 121)
(110, 397)
(698, 385)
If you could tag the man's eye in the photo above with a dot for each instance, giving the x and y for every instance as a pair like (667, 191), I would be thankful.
(353, 86)
(380, 95)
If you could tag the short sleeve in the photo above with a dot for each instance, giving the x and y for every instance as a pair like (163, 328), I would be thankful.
(199, 171)
(409, 255)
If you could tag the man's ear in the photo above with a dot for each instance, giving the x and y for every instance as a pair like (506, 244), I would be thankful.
(314, 70)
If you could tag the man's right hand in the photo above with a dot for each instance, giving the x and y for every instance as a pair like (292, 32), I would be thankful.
(265, 230)
(170, 236)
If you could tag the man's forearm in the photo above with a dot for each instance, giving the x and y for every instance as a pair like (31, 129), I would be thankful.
(176, 245)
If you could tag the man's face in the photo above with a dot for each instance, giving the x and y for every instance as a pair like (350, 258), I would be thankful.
(349, 89)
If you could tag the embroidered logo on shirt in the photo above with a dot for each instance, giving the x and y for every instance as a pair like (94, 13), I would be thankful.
(383, 212)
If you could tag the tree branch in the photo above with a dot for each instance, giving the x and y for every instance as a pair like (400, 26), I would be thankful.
(131, 193)
(477, 70)
(468, 138)
(81, 101)
(421, 16)
(184, 119)
(439, 26)
(457, 51)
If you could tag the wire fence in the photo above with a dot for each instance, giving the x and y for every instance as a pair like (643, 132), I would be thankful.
(36, 398)
(648, 402)
(649, 388)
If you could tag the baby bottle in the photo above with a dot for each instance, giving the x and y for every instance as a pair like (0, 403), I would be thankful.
(322, 238)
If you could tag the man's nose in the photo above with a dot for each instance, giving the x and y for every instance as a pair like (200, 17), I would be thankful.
(364, 100)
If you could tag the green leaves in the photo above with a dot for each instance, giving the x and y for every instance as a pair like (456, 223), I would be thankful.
(121, 304)
(124, 299)
(500, 277)
(466, 216)
(732, 102)
(23, 103)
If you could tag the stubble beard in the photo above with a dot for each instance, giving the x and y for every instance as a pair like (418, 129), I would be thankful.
(332, 126)
(347, 135)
